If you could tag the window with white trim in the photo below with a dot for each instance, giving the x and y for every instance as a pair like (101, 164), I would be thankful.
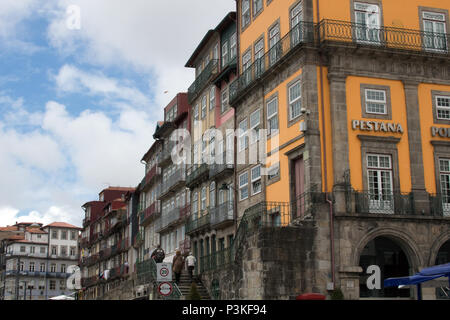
(204, 106)
(224, 99)
(274, 44)
(272, 115)
(296, 27)
(379, 174)
(203, 199)
(212, 194)
(196, 112)
(376, 101)
(367, 19)
(245, 13)
(243, 186)
(257, 6)
(216, 52)
(443, 107)
(42, 267)
(246, 63)
(212, 97)
(273, 172)
(255, 121)
(195, 204)
(225, 56)
(295, 100)
(444, 172)
(243, 135)
(233, 46)
(256, 180)
(31, 266)
(53, 267)
(435, 37)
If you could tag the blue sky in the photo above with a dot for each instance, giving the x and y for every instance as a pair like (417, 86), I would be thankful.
(78, 107)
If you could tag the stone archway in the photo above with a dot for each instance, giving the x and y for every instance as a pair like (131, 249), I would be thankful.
(394, 252)
(440, 243)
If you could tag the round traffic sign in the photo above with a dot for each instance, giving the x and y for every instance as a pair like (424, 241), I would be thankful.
(165, 288)
(164, 272)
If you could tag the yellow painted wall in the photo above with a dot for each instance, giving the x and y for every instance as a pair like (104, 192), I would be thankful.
(327, 130)
(396, 13)
(426, 122)
(278, 9)
(354, 112)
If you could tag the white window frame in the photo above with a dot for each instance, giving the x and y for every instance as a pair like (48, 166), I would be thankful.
(233, 46)
(256, 179)
(212, 194)
(445, 190)
(212, 97)
(254, 128)
(224, 99)
(442, 108)
(246, 15)
(383, 102)
(204, 99)
(203, 199)
(243, 135)
(242, 186)
(271, 116)
(438, 18)
(376, 201)
(297, 99)
(225, 53)
(196, 112)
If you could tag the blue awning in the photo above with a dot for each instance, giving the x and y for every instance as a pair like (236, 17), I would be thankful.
(443, 269)
(415, 279)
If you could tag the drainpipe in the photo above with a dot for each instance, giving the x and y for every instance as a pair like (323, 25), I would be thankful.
(324, 141)
(236, 195)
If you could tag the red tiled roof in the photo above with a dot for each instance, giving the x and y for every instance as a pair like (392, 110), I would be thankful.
(36, 230)
(62, 225)
(119, 189)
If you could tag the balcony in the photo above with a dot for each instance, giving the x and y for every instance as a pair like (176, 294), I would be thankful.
(222, 215)
(334, 33)
(177, 179)
(196, 175)
(147, 216)
(384, 203)
(219, 170)
(105, 253)
(195, 224)
(150, 177)
(300, 35)
(87, 282)
(171, 217)
(202, 80)
(440, 205)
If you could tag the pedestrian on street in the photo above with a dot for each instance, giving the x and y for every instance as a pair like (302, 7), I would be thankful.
(190, 262)
(158, 254)
(177, 265)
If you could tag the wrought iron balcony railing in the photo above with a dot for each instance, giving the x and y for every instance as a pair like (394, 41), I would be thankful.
(202, 80)
(301, 34)
(387, 37)
(170, 183)
(149, 213)
(219, 169)
(169, 217)
(196, 174)
(440, 205)
(333, 32)
(154, 172)
(384, 203)
(222, 214)
(195, 224)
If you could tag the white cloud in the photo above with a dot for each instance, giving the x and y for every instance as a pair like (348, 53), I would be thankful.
(73, 80)
(9, 216)
(149, 36)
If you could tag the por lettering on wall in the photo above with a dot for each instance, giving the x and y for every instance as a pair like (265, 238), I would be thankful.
(376, 126)
(442, 132)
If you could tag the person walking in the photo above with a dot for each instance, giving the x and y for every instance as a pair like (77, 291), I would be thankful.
(158, 254)
(177, 265)
(190, 262)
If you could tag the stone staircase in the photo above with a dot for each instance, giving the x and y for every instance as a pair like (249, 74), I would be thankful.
(185, 286)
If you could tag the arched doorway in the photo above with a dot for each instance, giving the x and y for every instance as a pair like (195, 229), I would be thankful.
(443, 256)
(391, 259)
